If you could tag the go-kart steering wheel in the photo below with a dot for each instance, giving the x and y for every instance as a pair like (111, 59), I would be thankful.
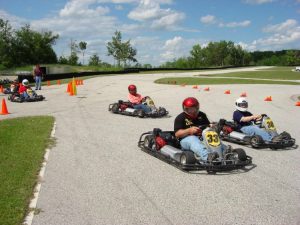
(259, 120)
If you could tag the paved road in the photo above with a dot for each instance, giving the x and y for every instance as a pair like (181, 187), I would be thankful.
(96, 174)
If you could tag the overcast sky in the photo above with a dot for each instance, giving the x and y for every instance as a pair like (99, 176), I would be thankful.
(160, 30)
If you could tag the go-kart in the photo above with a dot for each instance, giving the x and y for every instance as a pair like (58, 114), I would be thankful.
(126, 108)
(33, 97)
(228, 131)
(165, 146)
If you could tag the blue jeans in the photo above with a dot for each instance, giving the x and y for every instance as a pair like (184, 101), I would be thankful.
(194, 144)
(255, 130)
(145, 108)
(38, 81)
(25, 95)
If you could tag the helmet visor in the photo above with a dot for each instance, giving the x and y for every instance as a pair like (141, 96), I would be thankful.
(243, 104)
(192, 110)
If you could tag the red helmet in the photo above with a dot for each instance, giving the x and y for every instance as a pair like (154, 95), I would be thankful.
(190, 102)
(131, 87)
(190, 106)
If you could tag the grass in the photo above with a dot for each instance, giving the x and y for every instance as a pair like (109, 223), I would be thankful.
(23, 143)
(211, 81)
(276, 73)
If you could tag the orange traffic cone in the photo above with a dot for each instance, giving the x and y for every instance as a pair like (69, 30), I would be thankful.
(297, 104)
(206, 89)
(268, 99)
(68, 88)
(74, 89)
(48, 82)
(58, 82)
(71, 89)
(227, 92)
(195, 87)
(244, 94)
(4, 108)
(1, 89)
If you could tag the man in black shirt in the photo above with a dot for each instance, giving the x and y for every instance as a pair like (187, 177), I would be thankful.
(187, 129)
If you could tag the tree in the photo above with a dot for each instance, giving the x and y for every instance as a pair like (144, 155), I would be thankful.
(6, 38)
(197, 56)
(94, 60)
(32, 47)
(73, 59)
(62, 60)
(121, 51)
(82, 47)
(25, 46)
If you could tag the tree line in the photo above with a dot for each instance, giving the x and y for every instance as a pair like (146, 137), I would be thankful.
(226, 53)
(26, 47)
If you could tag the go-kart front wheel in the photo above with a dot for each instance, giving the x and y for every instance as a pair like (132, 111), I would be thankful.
(239, 154)
(256, 141)
(187, 157)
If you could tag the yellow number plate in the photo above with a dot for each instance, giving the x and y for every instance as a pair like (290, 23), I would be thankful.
(212, 138)
(270, 125)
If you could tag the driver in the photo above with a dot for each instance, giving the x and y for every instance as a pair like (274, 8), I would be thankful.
(186, 128)
(136, 99)
(243, 118)
(23, 89)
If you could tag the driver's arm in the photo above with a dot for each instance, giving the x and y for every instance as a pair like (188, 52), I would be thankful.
(250, 118)
(188, 131)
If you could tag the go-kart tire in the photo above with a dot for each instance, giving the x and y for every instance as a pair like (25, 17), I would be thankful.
(115, 108)
(256, 141)
(240, 153)
(162, 111)
(140, 113)
(149, 142)
(187, 157)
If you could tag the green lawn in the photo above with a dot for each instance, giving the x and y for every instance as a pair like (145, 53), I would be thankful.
(279, 73)
(23, 143)
(205, 81)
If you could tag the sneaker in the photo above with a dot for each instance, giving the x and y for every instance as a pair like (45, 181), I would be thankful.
(212, 156)
(285, 135)
(277, 138)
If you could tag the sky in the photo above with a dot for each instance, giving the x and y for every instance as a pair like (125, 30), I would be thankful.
(160, 30)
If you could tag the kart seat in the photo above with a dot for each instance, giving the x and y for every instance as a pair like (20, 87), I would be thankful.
(125, 104)
(227, 126)
(170, 139)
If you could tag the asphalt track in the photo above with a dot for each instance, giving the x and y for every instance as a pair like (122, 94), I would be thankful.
(96, 174)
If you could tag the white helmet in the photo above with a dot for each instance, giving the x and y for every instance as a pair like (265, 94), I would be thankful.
(241, 104)
(25, 82)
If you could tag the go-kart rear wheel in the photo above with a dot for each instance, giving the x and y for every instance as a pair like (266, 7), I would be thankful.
(256, 141)
(149, 142)
(239, 154)
(187, 157)
(140, 113)
(115, 108)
